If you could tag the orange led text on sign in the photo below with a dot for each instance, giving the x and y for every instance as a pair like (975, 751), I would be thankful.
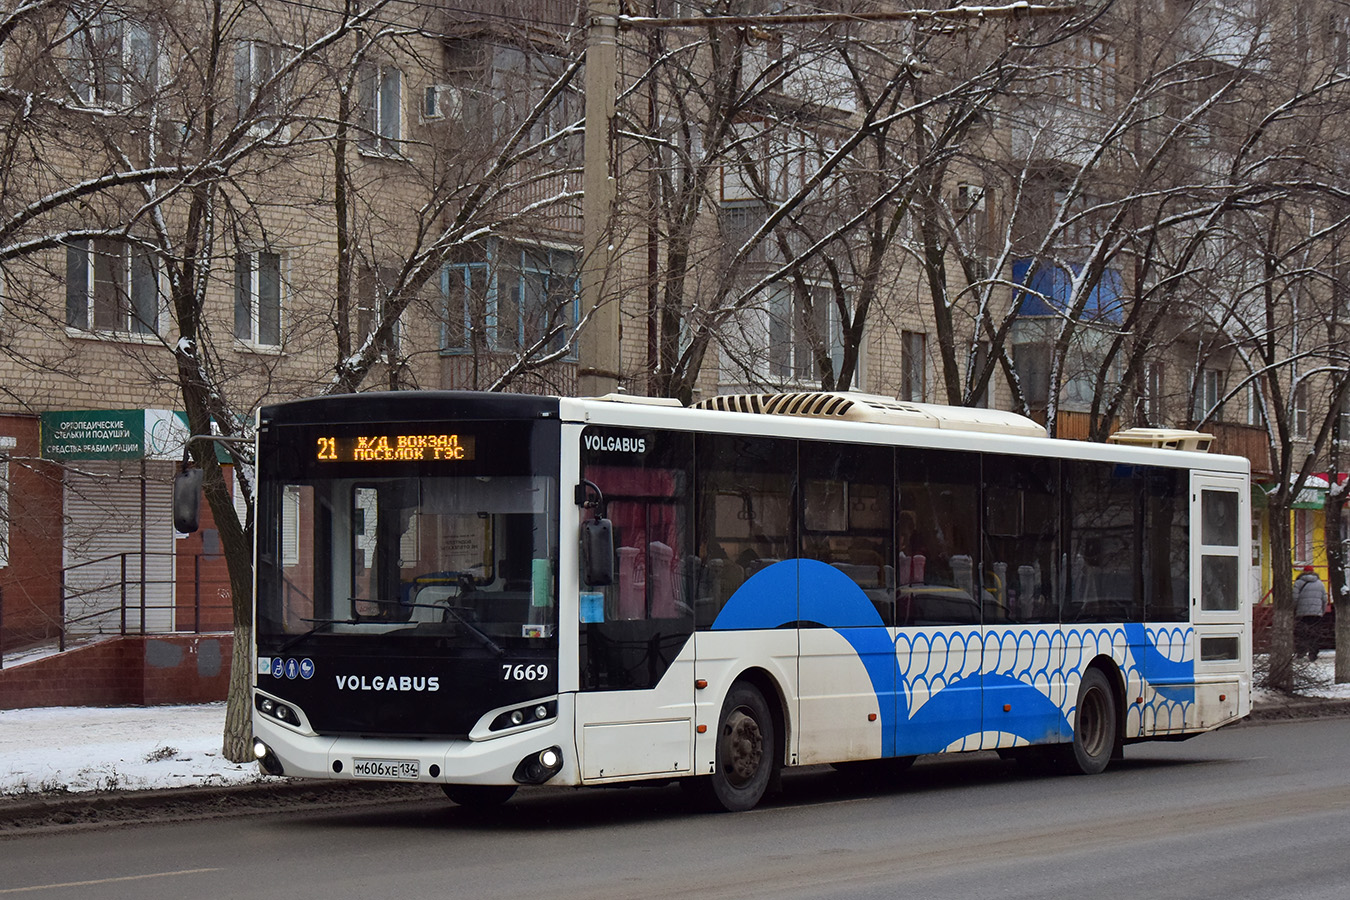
(396, 448)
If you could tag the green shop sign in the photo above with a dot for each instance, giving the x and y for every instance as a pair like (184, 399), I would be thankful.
(114, 434)
(98, 434)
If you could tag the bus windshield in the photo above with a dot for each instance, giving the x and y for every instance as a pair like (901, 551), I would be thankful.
(387, 549)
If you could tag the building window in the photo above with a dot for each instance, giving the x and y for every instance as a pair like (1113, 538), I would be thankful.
(1088, 75)
(914, 365)
(1301, 410)
(112, 61)
(972, 218)
(1303, 537)
(373, 293)
(260, 88)
(1153, 394)
(111, 286)
(381, 110)
(1206, 395)
(257, 298)
(802, 324)
(981, 363)
(510, 298)
(1340, 43)
(1253, 406)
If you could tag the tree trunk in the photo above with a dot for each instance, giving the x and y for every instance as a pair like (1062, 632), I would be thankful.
(1336, 577)
(1281, 653)
(238, 738)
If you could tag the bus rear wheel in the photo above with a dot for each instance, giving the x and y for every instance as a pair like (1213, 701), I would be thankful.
(746, 750)
(1094, 727)
(479, 796)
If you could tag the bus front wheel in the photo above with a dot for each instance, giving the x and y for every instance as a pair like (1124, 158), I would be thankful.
(1095, 725)
(746, 750)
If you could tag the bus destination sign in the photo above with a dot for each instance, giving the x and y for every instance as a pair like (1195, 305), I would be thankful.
(396, 448)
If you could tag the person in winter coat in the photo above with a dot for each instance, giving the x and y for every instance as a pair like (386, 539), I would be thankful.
(1310, 602)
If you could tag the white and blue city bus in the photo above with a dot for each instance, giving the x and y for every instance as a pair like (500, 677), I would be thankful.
(483, 591)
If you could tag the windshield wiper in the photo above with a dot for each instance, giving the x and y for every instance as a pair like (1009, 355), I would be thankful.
(322, 623)
(473, 630)
(450, 611)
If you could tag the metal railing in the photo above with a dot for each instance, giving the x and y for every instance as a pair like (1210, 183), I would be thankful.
(119, 594)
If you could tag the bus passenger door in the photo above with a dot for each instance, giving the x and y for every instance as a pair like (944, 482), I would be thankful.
(1218, 659)
(635, 709)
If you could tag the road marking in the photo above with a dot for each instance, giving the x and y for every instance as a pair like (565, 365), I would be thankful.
(67, 884)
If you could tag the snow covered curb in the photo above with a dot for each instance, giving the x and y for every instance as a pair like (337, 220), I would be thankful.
(77, 749)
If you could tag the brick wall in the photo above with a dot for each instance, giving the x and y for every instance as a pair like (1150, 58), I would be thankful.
(30, 585)
(124, 671)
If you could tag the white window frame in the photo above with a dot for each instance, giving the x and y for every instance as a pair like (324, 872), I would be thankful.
(1253, 405)
(913, 365)
(257, 65)
(99, 82)
(1300, 410)
(788, 336)
(1206, 393)
(381, 114)
(251, 294)
(371, 298)
(86, 319)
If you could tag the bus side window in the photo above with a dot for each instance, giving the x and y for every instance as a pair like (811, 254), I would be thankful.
(1021, 538)
(936, 545)
(745, 514)
(1104, 556)
(846, 516)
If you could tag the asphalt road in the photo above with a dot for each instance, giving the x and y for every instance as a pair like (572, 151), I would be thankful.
(1260, 811)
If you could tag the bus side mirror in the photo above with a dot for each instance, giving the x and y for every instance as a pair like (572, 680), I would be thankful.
(187, 499)
(597, 552)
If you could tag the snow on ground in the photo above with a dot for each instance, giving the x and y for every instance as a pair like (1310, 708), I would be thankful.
(1311, 679)
(94, 748)
(139, 748)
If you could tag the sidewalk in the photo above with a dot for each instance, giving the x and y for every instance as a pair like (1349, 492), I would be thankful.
(74, 749)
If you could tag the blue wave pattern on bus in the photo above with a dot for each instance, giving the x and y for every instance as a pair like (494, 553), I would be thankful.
(1021, 672)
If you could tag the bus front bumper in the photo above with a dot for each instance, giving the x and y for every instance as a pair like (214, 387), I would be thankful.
(542, 754)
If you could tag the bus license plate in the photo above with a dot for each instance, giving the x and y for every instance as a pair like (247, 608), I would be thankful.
(384, 768)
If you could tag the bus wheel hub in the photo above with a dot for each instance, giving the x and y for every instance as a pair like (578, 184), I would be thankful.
(743, 745)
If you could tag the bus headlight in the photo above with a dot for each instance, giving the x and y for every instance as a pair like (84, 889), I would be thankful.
(267, 759)
(276, 710)
(526, 715)
(539, 767)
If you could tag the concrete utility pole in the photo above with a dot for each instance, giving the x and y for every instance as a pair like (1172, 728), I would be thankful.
(598, 343)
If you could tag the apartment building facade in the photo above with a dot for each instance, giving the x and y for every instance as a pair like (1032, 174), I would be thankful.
(1027, 212)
